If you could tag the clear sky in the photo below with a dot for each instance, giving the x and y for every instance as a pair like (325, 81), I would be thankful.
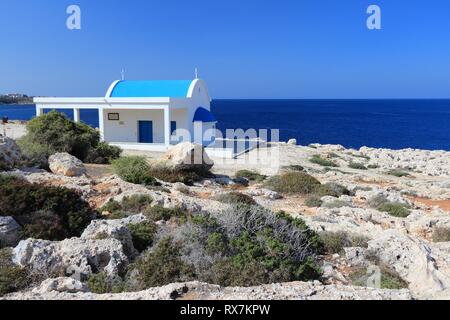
(243, 48)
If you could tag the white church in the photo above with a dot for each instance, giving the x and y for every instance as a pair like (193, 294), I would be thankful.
(147, 115)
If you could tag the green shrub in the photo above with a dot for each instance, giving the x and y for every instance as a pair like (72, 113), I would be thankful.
(334, 242)
(293, 182)
(373, 166)
(377, 201)
(133, 169)
(250, 175)
(398, 173)
(49, 213)
(142, 234)
(54, 132)
(160, 266)
(389, 279)
(441, 234)
(100, 283)
(398, 210)
(360, 156)
(158, 213)
(336, 204)
(188, 177)
(332, 189)
(322, 162)
(103, 153)
(12, 278)
(313, 202)
(136, 203)
(235, 197)
(357, 165)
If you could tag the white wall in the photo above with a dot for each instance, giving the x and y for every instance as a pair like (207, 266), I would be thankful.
(126, 130)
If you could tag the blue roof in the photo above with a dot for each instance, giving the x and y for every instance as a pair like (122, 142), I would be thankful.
(203, 115)
(151, 89)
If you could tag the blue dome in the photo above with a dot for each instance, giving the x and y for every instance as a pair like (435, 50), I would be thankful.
(151, 89)
(203, 115)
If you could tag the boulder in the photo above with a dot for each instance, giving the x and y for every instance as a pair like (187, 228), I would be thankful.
(9, 232)
(66, 165)
(76, 257)
(187, 156)
(114, 229)
(414, 262)
(292, 142)
(10, 154)
(62, 284)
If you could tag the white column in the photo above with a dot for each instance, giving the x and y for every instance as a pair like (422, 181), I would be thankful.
(167, 126)
(101, 124)
(76, 115)
(39, 110)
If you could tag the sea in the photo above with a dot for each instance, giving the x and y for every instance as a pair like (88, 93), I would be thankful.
(394, 124)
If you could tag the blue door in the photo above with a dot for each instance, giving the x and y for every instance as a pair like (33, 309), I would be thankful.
(145, 132)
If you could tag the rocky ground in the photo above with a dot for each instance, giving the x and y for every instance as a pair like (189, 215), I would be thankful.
(420, 179)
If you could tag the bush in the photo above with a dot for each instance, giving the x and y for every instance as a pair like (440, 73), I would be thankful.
(158, 213)
(234, 198)
(188, 177)
(250, 175)
(12, 278)
(49, 213)
(334, 242)
(389, 279)
(373, 166)
(377, 201)
(313, 202)
(398, 210)
(142, 234)
(332, 189)
(441, 234)
(160, 266)
(322, 162)
(54, 132)
(103, 153)
(100, 283)
(357, 165)
(293, 182)
(136, 203)
(134, 170)
(336, 204)
(398, 173)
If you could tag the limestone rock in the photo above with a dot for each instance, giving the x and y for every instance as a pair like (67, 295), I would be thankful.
(62, 284)
(9, 232)
(187, 156)
(202, 291)
(66, 165)
(10, 154)
(292, 142)
(413, 260)
(78, 257)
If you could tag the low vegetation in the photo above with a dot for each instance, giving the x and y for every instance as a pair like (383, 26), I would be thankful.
(295, 167)
(49, 213)
(322, 162)
(250, 175)
(54, 132)
(398, 173)
(335, 242)
(388, 278)
(12, 277)
(142, 234)
(441, 234)
(235, 198)
(357, 166)
(332, 189)
(134, 169)
(398, 210)
(313, 202)
(293, 182)
(188, 177)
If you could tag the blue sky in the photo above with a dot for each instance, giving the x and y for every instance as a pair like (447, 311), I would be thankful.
(243, 49)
